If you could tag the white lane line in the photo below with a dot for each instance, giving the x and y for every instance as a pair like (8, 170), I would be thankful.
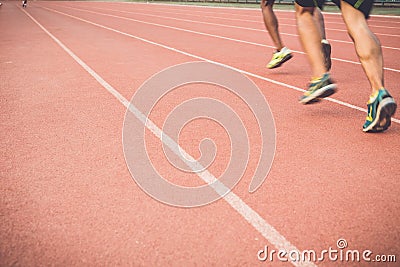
(211, 35)
(251, 216)
(336, 14)
(240, 8)
(211, 61)
(216, 24)
(237, 27)
(250, 9)
(182, 12)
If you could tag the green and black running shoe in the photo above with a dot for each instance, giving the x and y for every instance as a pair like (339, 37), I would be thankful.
(318, 88)
(380, 111)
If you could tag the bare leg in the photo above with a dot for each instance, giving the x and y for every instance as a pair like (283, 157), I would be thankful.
(367, 45)
(319, 20)
(310, 38)
(271, 23)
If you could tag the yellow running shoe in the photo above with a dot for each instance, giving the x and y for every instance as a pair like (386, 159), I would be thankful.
(280, 57)
(318, 88)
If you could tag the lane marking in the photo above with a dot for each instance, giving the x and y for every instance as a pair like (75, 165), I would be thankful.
(212, 35)
(215, 24)
(248, 9)
(251, 216)
(254, 21)
(211, 61)
(243, 8)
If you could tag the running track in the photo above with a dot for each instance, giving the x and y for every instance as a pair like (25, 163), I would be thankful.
(67, 197)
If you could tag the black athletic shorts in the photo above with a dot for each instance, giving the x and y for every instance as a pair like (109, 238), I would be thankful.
(364, 6)
(271, 2)
(319, 3)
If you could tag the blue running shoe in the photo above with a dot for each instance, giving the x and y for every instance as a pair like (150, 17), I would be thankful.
(380, 111)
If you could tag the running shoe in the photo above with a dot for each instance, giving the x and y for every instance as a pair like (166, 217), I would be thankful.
(279, 57)
(326, 51)
(380, 111)
(318, 88)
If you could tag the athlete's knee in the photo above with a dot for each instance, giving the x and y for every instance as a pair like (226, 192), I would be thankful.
(358, 26)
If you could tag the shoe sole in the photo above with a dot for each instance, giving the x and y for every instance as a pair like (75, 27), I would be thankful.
(284, 59)
(320, 93)
(386, 110)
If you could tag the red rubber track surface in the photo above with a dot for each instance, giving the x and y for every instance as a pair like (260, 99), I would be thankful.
(67, 197)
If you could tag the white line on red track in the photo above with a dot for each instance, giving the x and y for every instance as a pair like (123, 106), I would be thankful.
(251, 216)
(218, 24)
(213, 35)
(337, 14)
(211, 61)
(259, 21)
